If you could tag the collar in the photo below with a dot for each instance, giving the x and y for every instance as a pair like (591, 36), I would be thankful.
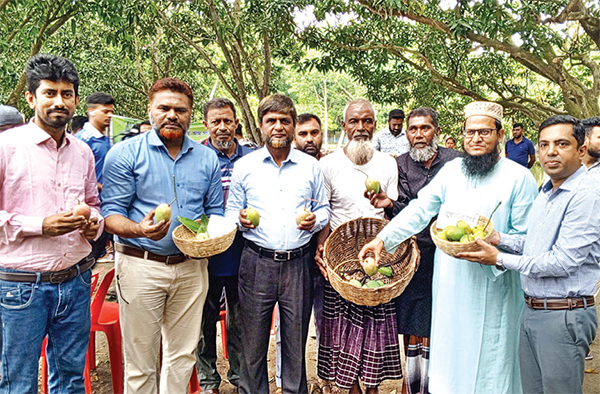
(92, 130)
(596, 164)
(39, 136)
(154, 140)
(292, 156)
(570, 183)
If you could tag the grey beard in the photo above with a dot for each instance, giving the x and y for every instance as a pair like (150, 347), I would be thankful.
(359, 152)
(424, 154)
(223, 145)
(482, 165)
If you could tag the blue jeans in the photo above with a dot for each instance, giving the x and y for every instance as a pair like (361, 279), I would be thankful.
(29, 312)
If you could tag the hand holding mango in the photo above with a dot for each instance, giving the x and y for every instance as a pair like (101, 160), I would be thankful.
(302, 216)
(462, 233)
(253, 216)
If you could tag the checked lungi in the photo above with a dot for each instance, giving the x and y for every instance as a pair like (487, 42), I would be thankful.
(357, 342)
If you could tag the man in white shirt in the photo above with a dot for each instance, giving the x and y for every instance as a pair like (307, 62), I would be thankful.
(392, 140)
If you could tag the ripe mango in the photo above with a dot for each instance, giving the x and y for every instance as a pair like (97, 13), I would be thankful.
(466, 239)
(253, 216)
(82, 209)
(464, 226)
(163, 212)
(369, 266)
(302, 215)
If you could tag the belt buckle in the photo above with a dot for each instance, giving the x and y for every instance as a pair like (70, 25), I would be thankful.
(59, 277)
(286, 253)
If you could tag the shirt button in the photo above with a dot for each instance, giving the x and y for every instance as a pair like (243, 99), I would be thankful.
(58, 184)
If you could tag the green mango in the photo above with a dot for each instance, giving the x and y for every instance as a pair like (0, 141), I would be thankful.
(454, 234)
(355, 282)
(386, 271)
(464, 226)
(373, 284)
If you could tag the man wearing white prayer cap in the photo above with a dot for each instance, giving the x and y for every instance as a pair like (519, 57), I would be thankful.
(9, 117)
(476, 308)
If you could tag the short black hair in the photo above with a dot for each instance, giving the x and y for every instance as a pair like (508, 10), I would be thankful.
(100, 98)
(518, 125)
(589, 124)
(396, 114)
(78, 121)
(424, 111)
(51, 67)
(450, 138)
(303, 118)
(147, 121)
(238, 129)
(277, 103)
(578, 130)
(218, 103)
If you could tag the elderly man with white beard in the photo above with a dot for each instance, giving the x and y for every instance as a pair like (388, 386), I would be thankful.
(356, 342)
(413, 307)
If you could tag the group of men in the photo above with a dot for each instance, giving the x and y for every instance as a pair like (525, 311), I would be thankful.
(460, 320)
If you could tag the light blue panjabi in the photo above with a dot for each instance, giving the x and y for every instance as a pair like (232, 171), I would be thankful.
(476, 308)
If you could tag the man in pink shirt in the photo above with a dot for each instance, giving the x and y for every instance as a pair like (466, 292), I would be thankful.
(44, 269)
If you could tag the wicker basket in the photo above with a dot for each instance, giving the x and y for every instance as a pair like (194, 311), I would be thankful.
(341, 252)
(186, 241)
(453, 248)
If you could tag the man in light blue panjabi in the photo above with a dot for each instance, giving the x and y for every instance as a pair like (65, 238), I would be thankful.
(476, 309)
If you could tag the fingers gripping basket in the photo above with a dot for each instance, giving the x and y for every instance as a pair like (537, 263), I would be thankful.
(453, 248)
(341, 250)
(186, 241)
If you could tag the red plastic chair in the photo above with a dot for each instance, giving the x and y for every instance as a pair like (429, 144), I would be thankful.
(86, 371)
(105, 318)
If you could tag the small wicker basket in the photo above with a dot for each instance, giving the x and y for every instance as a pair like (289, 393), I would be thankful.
(453, 248)
(341, 250)
(186, 241)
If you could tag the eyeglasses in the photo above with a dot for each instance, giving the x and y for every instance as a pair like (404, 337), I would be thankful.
(482, 132)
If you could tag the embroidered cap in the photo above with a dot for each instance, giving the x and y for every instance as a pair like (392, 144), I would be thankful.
(486, 108)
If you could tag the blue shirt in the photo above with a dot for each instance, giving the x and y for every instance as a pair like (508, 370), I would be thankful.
(562, 246)
(278, 193)
(519, 152)
(99, 143)
(140, 174)
(228, 262)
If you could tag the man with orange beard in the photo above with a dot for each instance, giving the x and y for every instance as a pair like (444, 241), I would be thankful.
(161, 291)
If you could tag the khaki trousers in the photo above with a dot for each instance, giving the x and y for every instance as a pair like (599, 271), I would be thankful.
(157, 300)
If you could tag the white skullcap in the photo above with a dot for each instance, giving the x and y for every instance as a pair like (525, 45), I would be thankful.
(486, 108)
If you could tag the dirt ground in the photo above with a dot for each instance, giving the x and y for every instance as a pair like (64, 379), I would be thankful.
(101, 382)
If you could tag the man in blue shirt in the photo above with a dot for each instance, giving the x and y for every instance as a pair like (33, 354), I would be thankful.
(100, 108)
(520, 149)
(221, 122)
(276, 266)
(558, 262)
(161, 291)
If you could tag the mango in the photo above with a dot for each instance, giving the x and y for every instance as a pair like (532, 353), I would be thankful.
(355, 282)
(464, 226)
(454, 234)
(479, 235)
(372, 185)
(466, 239)
(302, 215)
(202, 236)
(369, 266)
(163, 212)
(386, 271)
(253, 216)
(373, 284)
(82, 209)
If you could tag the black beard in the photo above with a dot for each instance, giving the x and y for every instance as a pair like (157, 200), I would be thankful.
(594, 153)
(480, 166)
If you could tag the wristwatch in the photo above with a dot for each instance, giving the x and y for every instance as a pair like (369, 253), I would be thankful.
(500, 262)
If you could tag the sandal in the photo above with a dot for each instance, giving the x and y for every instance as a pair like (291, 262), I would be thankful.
(326, 387)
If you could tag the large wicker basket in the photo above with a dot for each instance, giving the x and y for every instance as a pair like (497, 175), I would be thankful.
(186, 241)
(341, 253)
(453, 248)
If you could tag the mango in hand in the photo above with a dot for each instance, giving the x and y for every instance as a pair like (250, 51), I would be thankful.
(253, 216)
(163, 212)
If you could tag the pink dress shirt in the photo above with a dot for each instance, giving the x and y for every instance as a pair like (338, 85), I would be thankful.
(37, 180)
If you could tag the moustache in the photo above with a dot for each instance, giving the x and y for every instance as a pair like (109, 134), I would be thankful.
(62, 110)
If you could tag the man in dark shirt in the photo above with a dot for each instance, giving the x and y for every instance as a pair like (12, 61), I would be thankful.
(221, 122)
(413, 307)
(520, 149)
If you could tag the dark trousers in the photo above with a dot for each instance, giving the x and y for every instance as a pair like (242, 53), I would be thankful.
(262, 283)
(206, 354)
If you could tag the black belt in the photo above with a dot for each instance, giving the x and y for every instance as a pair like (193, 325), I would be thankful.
(560, 303)
(144, 254)
(49, 276)
(279, 255)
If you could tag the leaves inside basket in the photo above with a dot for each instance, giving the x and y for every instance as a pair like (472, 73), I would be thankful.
(194, 226)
